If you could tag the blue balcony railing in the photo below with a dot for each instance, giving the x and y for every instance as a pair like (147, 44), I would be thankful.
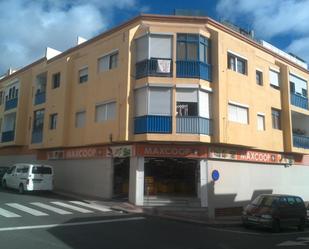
(154, 67)
(37, 136)
(152, 124)
(193, 125)
(193, 69)
(300, 141)
(300, 101)
(11, 104)
(7, 136)
(40, 98)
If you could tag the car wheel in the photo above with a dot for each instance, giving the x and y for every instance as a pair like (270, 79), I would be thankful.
(4, 184)
(276, 226)
(21, 189)
(301, 226)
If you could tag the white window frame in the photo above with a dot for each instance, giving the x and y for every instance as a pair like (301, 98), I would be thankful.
(105, 106)
(236, 57)
(108, 55)
(259, 114)
(272, 70)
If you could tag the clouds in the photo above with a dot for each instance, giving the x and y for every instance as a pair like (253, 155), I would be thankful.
(28, 26)
(272, 19)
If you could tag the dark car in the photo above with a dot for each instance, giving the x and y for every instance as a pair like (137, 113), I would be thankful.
(2, 172)
(276, 211)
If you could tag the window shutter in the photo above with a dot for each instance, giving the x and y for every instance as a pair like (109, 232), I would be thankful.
(204, 104)
(159, 101)
(140, 102)
(160, 46)
(274, 78)
(142, 48)
(186, 95)
(104, 64)
(83, 72)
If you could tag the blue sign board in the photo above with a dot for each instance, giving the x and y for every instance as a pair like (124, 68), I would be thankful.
(215, 175)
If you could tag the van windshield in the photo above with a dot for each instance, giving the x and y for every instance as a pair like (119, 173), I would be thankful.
(41, 170)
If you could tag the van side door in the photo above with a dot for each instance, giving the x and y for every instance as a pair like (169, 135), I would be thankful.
(9, 176)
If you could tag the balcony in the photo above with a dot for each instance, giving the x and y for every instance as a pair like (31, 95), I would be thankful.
(193, 125)
(152, 124)
(37, 136)
(11, 104)
(154, 67)
(299, 101)
(300, 141)
(40, 98)
(7, 136)
(193, 69)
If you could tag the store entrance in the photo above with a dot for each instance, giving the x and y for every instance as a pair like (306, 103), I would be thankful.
(121, 177)
(171, 177)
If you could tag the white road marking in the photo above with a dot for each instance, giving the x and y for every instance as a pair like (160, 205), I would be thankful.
(70, 224)
(92, 206)
(50, 208)
(26, 209)
(8, 214)
(78, 209)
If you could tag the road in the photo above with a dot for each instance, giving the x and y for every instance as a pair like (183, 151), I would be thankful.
(49, 221)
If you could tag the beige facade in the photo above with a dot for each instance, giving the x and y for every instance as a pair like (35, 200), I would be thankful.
(88, 95)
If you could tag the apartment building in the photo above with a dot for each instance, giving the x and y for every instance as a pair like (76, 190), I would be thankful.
(163, 106)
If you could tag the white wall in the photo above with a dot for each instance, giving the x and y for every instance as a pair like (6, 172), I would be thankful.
(85, 177)
(240, 182)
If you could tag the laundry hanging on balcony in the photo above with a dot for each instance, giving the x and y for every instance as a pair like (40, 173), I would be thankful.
(164, 66)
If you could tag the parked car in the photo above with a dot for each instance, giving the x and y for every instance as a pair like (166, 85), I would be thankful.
(2, 172)
(29, 177)
(275, 212)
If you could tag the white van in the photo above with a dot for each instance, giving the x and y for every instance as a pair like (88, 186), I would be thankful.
(29, 177)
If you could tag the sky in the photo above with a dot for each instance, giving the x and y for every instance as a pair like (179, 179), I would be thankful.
(27, 27)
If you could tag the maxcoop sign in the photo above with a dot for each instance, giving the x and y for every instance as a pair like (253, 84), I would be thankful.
(248, 155)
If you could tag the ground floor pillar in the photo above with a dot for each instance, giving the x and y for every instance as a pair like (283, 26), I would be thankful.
(136, 181)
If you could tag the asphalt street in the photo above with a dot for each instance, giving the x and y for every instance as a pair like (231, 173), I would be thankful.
(48, 221)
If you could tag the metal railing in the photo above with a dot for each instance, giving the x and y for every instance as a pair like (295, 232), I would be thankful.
(7, 136)
(300, 141)
(299, 101)
(193, 69)
(10, 104)
(193, 125)
(154, 67)
(40, 98)
(152, 124)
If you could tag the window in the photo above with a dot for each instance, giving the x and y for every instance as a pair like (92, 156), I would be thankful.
(192, 47)
(1, 97)
(298, 85)
(261, 122)
(83, 75)
(41, 81)
(276, 118)
(274, 79)
(153, 101)
(80, 119)
(238, 113)
(10, 93)
(187, 104)
(56, 80)
(108, 62)
(38, 120)
(53, 121)
(105, 112)
(259, 77)
(236, 63)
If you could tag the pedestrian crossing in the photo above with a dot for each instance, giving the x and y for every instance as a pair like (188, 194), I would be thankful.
(17, 210)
